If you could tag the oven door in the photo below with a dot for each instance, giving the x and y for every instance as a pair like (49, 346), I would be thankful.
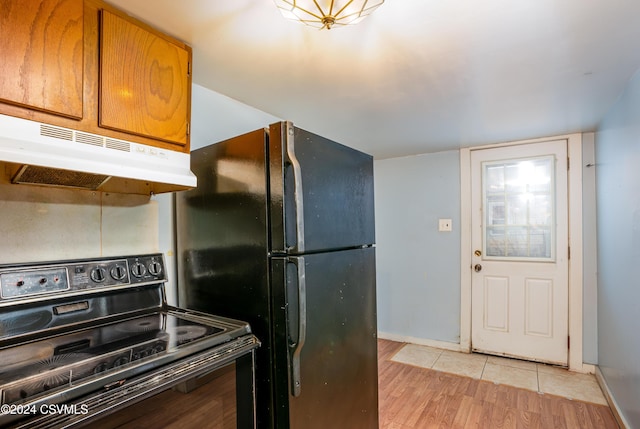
(222, 399)
(213, 389)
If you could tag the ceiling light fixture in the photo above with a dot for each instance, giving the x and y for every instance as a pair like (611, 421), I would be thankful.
(327, 13)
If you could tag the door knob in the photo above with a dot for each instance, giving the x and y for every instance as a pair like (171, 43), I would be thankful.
(477, 268)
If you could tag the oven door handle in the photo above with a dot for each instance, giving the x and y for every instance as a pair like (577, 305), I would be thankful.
(296, 346)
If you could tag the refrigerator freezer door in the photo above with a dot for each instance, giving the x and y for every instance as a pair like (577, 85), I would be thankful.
(325, 340)
(321, 193)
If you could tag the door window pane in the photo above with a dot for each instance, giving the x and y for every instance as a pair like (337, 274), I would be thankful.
(519, 210)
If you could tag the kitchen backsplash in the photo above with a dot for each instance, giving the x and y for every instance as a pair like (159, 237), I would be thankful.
(41, 224)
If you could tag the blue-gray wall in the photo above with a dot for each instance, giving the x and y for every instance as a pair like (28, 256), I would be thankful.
(618, 202)
(418, 267)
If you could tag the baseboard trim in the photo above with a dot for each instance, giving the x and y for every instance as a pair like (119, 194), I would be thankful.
(423, 342)
(611, 400)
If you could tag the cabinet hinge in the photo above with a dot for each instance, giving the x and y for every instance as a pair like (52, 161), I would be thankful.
(568, 163)
(188, 128)
(188, 68)
(568, 342)
(569, 252)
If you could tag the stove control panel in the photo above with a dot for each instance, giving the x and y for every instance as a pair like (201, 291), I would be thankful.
(81, 276)
(33, 282)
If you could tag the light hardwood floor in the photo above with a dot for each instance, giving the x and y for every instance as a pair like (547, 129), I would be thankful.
(410, 398)
(417, 398)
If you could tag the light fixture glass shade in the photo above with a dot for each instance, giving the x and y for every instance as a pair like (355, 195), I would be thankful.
(327, 13)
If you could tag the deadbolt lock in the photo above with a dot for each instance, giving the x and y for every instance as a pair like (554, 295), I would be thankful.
(477, 253)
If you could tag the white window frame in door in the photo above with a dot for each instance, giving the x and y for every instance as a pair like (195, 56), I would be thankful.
(574, 150)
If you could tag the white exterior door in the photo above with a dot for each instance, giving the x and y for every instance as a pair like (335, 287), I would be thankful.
(519, 295)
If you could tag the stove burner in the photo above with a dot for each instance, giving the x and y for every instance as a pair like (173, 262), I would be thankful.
(25, 322)
(186, 333)
(44, 375)
(44, 384)
(57, 361)
(138, 325)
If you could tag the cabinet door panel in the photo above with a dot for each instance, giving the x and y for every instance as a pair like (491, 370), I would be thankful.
(42, 55)
(144, 82)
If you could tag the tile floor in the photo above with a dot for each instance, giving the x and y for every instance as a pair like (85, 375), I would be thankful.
(527, 375)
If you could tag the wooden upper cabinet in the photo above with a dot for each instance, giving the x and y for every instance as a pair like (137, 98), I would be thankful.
(87, 66)
(144, 81)
(41, 55)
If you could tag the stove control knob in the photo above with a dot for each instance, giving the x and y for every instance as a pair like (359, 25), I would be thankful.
(138, 270)
(155, 268)
(98, 274)
(20, 283)
(118, 272)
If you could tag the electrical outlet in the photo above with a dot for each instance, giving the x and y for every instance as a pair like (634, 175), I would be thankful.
(444, 225)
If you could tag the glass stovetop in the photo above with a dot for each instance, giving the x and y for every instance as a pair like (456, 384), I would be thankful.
(31, 369)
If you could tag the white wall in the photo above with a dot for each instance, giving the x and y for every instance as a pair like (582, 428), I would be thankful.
(45, 224)
(418, 268)
(618, 202)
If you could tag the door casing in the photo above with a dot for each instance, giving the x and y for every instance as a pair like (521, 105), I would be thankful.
(574, 150)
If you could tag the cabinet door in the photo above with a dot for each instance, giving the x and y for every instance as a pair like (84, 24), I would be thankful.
(144, 81)
(42, 55)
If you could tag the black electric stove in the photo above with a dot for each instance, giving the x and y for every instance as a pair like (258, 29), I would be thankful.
(81, 339)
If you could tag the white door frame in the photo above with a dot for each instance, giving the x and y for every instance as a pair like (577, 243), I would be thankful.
(574, 150)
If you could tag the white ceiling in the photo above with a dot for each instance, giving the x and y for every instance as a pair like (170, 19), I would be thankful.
(417, 75)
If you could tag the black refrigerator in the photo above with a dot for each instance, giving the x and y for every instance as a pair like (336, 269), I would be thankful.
(280, 233)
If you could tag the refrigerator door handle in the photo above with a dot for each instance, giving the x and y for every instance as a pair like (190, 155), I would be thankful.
(297, 189)
(296, 347)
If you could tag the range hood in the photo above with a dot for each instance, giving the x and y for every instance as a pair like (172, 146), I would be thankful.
(41, 154)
